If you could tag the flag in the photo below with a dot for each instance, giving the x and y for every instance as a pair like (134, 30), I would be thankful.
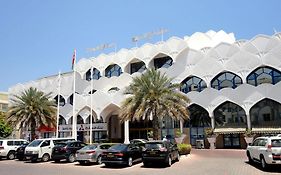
(73, 59)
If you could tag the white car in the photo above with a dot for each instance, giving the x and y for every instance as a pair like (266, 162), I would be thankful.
(265, 150)
(8, 147)
(42, 148)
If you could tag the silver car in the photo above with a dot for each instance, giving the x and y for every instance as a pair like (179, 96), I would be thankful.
(92, 153)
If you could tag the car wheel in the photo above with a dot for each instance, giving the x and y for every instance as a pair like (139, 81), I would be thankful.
(11, 155)
(263, 163)
(71, 158)
(177, 157)
(145, 164)
(169, 161)
(107, 164)
(250, 160)
(99, 160)
(130, 161)
(45, 157)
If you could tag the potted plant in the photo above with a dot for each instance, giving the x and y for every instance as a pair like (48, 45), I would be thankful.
(179, 136)
(248, 136)
(211, 137)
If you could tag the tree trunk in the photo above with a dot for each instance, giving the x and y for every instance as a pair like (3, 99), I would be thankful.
(155, 124)
(33, 128)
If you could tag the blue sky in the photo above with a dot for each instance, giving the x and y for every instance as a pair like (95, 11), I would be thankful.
(37, 37)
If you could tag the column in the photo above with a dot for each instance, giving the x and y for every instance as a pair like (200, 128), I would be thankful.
(249, 126)
(181, 126)
(126, 130)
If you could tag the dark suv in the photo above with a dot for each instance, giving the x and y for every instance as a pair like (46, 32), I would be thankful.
(66, 150)
(160, 151)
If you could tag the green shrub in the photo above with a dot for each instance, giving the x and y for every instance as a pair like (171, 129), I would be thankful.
(184, 148)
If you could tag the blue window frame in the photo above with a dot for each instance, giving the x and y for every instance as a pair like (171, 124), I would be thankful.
(138, 67)
(95, 75)
(113, 70)
(193, 84)
(263, 75)
(163, 62)
(226, 80)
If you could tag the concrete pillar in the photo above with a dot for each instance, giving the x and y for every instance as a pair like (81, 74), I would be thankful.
(126, 132)
(181, 126)
(213, 122)
(249, 126)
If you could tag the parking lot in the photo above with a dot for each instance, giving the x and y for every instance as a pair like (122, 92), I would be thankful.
(203, 162)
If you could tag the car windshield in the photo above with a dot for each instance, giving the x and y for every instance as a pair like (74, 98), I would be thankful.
(35, 143)
(153, 145)
(276, 143)
(118, 147)
(89, 147)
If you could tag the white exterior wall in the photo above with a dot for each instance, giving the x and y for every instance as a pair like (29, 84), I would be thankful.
(203, 55)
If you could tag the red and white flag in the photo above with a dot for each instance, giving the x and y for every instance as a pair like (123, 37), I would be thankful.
(73, 59)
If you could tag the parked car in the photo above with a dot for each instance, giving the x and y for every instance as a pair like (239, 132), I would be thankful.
(8, 147)
(92, 153)
(160, 151)
(124, 154)
(66, 150)
(265, 150)
(139, 142)
(20, 151)
(41, 149)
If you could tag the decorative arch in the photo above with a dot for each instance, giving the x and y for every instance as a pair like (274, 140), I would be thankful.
(113, 70)
(62, 100)
(226, 80)
(135, 65)
(95, 75)
(193, 83)
(229, 114)
(266, 112)
(162, 61)
(263, 75)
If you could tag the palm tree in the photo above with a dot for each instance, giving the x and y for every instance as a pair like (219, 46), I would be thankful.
(31, 109)
(152, 96)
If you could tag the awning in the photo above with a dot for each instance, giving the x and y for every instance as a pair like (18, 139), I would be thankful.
(44, 128)
(266, 130)
(229, 130)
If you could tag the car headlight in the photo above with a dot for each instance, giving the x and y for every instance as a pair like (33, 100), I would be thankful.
(35, 152)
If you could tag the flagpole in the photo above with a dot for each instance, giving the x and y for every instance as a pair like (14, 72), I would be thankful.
(74, 123)
(58, 107)
(91, 118)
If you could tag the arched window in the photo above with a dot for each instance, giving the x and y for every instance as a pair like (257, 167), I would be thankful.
(95, 75)
(113, 70)
(163, 62)
(70, 100)
(226, 80)
(138, 67)
(62, 121)
(193, 84)
(92, 92)
(80, 120)
(230, 114)
(266, 112)
(264, 75)
(62, 100)
(88, 119)
(199, 117)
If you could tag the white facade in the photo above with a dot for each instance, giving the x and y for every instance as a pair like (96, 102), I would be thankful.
(204, 55)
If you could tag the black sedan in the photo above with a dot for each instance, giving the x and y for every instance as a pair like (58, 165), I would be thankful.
(66, 150)
(123, 154)
(160, 151)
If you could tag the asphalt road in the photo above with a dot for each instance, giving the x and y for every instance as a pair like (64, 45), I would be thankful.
(199, 162)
